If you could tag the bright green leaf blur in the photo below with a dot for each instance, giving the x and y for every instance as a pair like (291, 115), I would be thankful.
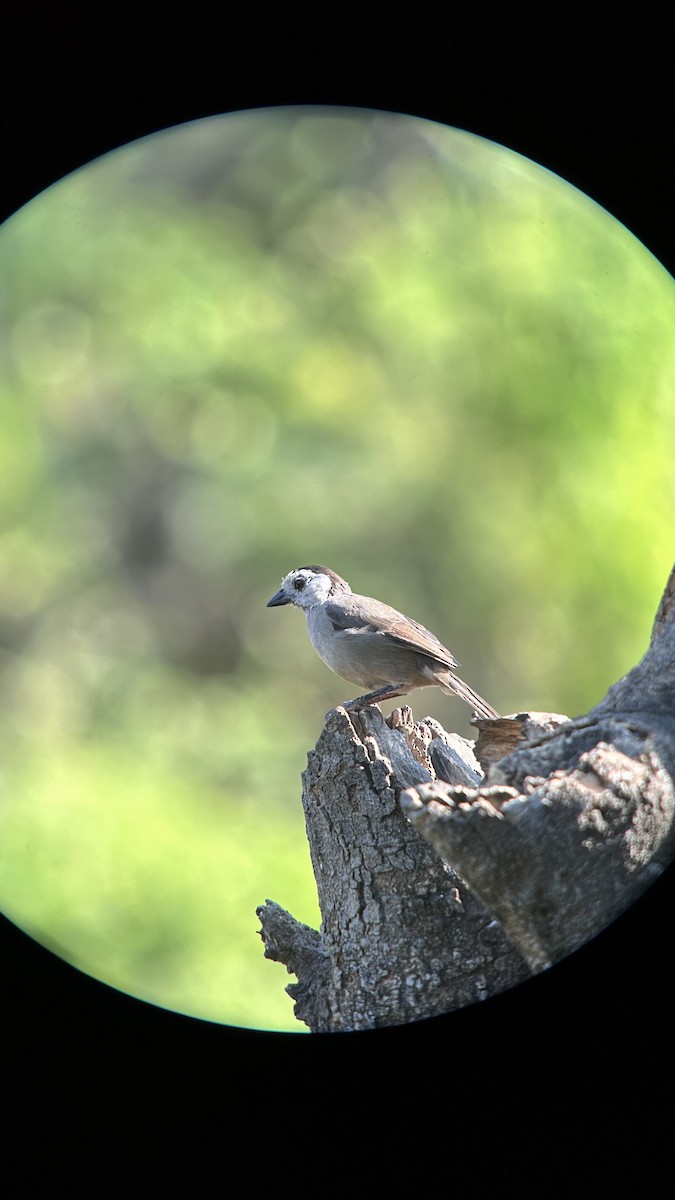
(269, 339)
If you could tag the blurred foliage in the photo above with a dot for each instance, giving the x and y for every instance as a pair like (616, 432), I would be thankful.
(263, 340)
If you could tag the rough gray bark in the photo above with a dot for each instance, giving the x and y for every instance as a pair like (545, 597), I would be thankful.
(439, 887)
(572, 826)
(401, 937)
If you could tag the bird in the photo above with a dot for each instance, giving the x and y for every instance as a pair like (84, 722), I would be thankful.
(369, 643)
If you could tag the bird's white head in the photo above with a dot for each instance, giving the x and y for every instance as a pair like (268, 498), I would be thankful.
(308, 587)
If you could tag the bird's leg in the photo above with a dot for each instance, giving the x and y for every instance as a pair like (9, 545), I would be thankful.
(384, 693)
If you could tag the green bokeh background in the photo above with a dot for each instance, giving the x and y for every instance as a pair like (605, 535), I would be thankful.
(262, 340)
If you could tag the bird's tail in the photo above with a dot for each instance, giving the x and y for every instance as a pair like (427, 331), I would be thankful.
(454, 685)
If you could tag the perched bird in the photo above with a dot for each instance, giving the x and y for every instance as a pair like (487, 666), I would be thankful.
(369, 643)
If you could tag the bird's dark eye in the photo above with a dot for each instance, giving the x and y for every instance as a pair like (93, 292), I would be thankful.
(299, 584)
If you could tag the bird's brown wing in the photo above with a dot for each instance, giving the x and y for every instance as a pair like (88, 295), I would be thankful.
(379, 618)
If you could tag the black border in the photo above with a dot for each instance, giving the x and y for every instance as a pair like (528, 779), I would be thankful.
(591, 100)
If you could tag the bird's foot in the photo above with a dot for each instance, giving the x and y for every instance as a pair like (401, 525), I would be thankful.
(390, 692)
(357, 704)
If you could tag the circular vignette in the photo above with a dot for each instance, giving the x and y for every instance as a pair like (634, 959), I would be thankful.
(270, 338)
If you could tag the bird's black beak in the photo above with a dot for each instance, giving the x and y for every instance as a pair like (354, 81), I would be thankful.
(278, 598)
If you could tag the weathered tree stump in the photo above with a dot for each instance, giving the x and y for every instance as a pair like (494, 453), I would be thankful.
(448, 871)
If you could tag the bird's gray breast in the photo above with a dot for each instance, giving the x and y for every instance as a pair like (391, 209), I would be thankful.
(358, 650)
(341, 644)
(324, 637)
